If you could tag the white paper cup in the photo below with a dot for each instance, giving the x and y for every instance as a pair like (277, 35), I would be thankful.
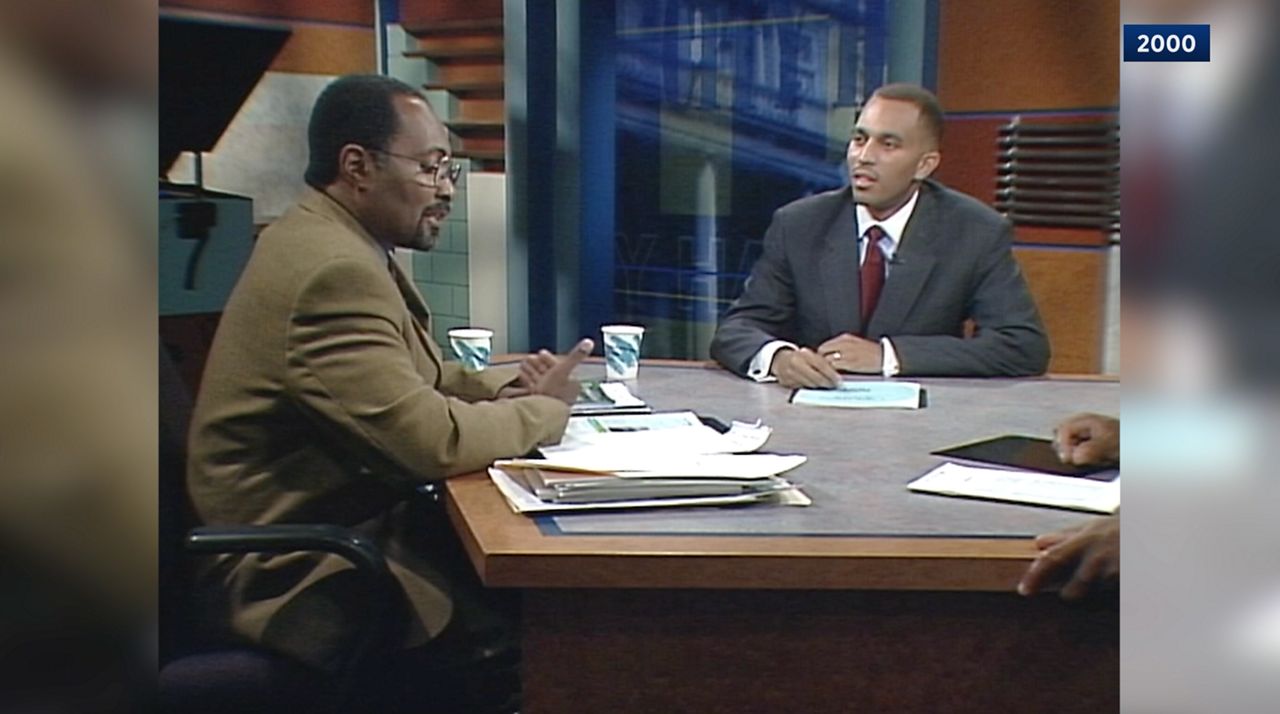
(621, 350)
(472, 345)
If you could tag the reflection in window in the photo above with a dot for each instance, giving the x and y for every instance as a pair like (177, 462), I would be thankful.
(726, 111)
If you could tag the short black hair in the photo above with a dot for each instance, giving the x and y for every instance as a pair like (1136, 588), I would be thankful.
(925, 101)
(355, 109)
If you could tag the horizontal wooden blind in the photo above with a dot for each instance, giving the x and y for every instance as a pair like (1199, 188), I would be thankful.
(1061, 175)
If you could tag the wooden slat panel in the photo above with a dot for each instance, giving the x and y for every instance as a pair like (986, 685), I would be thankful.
(470, 109)
(470, 74)
(1069, 288)
(1054, 235)
(480, 88)
(425, 13)
(969, 151)
(327, 49)
(340, 11)
(487, 45)
(1000, 55)
(477, 128)
(483, 143)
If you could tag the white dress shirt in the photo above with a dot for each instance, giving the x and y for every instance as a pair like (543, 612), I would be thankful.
(893, 227)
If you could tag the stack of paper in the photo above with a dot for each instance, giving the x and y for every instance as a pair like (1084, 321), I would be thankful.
(648, 460)
(586, 481)
(608, 398)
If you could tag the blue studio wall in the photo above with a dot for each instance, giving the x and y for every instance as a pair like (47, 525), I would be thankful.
(650, 142)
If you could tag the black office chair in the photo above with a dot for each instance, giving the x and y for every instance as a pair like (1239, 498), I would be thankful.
(203, 672)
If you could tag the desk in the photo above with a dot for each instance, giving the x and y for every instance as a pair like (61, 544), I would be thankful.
(673, 615)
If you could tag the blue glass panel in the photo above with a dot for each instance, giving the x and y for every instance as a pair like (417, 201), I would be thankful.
(726, 110)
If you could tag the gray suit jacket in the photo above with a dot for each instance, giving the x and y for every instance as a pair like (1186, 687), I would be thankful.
(954, 262)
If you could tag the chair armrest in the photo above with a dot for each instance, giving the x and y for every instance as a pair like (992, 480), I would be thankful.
(388, 606)
(289, 538)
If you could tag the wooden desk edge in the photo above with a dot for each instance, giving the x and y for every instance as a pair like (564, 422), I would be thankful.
(508, 550)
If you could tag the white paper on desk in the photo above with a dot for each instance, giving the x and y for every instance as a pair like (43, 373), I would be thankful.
(734, 466)
(863, 394)
(585, 429)
(645, 434)
(1081, 494)
(521, 501)
(621, 396)
(605, 397)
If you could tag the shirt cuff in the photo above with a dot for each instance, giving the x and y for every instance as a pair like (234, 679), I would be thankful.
(889, 366)
(763, 361)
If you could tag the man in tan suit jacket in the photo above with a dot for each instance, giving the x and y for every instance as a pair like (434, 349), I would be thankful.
(325, 400)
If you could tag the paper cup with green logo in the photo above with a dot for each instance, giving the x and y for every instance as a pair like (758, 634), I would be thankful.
(621, 350)
(472, 345)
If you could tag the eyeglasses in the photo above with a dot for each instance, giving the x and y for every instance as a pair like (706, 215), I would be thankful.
(438, 172)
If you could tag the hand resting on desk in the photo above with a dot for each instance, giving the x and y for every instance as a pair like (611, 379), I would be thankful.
(849, 353)
(1087, 557)
(1088, 439)
(804, 368)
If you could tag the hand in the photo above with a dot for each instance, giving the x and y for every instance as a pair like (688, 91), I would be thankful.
(556, 382)
(1089, 554)
(1088, 439)
(534, 366)
(849, 353)
(803, 368)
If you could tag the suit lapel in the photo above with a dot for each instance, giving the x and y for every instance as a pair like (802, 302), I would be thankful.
(839, 269)
(419, 314)
(910, 268)
(417, 306)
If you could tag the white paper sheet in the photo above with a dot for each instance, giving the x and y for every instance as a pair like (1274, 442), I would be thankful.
(638, 435)
(612, 396)
(736, 466)
(862, 394)
(1082, 494)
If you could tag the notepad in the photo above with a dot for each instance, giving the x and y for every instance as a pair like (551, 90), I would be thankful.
(864, 394)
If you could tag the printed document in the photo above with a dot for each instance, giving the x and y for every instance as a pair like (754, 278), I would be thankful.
(1081, 494)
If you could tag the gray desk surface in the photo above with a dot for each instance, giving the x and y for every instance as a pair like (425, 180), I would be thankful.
(859, 461)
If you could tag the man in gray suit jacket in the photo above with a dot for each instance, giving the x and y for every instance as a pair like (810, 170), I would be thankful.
(941, 256)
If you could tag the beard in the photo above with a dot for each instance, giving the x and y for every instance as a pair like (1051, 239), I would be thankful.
(424, 237)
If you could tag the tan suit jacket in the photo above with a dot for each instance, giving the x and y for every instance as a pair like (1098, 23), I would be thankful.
(78, 432)
(325, 401)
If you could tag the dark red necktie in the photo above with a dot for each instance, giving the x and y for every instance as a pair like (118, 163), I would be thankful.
(872, 274)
